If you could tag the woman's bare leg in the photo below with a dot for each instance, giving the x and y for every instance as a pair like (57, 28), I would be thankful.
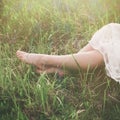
(51, 69)
(35, 59)
(81, 59)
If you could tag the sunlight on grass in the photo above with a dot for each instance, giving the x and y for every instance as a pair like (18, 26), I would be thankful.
(54, 27)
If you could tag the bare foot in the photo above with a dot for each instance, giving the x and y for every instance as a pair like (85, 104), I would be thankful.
(31, 58)
(50, 70)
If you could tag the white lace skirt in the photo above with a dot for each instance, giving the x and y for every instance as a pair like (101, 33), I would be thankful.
(107, 42)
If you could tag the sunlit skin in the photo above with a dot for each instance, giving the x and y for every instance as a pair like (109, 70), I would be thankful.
(86, 57)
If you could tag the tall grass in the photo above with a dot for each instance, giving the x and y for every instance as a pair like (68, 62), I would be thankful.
(54, 27)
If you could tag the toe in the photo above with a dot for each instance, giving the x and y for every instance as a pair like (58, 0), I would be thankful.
(21, 55)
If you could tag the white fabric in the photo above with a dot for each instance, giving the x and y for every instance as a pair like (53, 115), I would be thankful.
(107, 42)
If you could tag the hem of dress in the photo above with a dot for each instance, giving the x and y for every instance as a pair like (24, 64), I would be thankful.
(104, 62)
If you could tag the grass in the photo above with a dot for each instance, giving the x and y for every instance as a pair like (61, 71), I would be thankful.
(54, 27)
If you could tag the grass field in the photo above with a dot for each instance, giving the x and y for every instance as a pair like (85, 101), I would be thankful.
(54, 27)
